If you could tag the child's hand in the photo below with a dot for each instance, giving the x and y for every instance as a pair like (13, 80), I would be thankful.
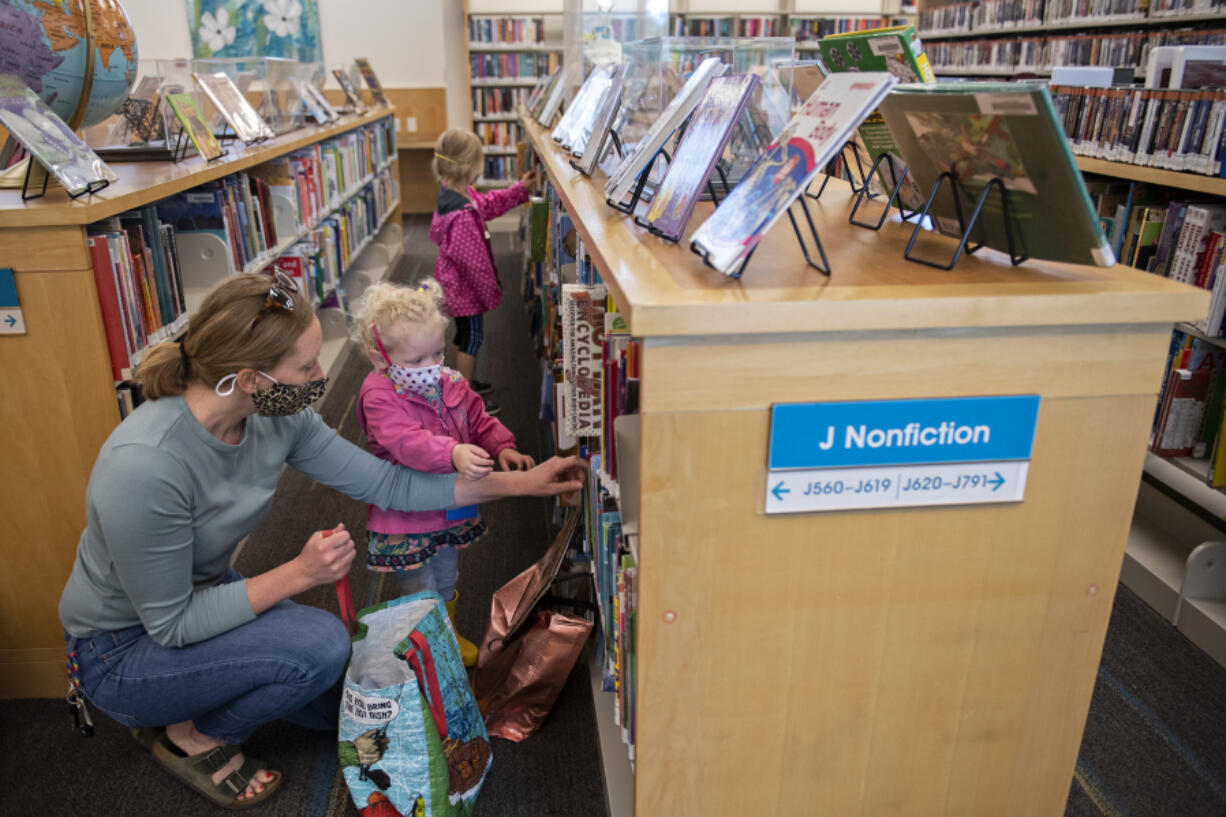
(528, 179)
(511, 460)
(471, 461)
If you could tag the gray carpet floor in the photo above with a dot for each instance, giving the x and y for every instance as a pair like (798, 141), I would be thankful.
(1154, 743)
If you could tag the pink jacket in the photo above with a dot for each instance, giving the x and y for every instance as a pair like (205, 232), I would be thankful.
(465, 266)
(406, 429)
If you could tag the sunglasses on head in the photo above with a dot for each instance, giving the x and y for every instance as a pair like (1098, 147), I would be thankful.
(280, 296)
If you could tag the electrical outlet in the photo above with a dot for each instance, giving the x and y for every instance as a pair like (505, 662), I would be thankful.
(412, 124)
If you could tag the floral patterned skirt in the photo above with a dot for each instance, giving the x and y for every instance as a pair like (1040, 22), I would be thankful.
(389, 552)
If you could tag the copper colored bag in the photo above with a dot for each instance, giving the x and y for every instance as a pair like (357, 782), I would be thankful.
(528, 650)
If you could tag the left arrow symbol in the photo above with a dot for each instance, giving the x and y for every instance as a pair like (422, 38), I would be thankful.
(779, 491)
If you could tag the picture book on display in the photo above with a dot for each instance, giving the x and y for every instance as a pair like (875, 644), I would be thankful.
(623, 178)
(234, 107)
(352, 97)
(321, 101)
(896, 49)
(704, 142)
(551, 101)
(372, 81)
(48, 140)
(801, 150)
(540, 91)
(317, 112)
(981, 131)
(598, 140)
(575, 126)
(193, 124)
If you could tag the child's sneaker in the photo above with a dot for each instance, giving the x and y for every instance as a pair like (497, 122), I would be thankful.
(491, 408)
(480, 387)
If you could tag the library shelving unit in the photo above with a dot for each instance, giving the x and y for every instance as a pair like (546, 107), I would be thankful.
(65, 406)
(994, 38)
(1177, 510)
(807, 22)
(507, 54)
(869, 661)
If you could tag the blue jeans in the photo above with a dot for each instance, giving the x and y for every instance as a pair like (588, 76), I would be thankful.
(285, 664)
(439, 573)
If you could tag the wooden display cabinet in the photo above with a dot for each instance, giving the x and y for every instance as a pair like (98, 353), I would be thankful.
(908, 661)
(59, 404)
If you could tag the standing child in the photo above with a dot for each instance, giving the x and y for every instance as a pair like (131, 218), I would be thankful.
(465, 267)
(419, 413)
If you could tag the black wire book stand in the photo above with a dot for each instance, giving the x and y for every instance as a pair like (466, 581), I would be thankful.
(1014, 239)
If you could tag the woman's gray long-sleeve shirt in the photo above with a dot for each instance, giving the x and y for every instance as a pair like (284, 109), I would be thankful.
(168, 503)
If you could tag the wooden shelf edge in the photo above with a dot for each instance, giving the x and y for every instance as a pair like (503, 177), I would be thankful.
(1200, 183)
(618, 773)
(57, 210)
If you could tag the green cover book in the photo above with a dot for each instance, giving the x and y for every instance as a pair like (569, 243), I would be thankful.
(538, 223)
(898, 50)
(984, 130)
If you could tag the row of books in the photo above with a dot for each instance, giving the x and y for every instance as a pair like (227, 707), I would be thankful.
(761, 26)
(506, 29)
(501, 168)
(816, 28)
(1044, 53)
(485, 65)
(487, 101)
(704, 27)
(499, 134)
(1177, 130)
(1001, 15)
(1188, 422)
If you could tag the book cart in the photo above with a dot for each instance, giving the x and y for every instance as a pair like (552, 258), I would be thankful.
(60, 402)
(903, 661)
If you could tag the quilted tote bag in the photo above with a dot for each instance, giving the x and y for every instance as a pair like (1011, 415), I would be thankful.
(411, 737)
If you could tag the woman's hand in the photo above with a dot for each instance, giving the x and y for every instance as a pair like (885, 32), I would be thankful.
(556, 475)
(326, 558)
(471, 461)
(511, 460)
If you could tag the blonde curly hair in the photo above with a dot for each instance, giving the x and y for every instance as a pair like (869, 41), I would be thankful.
(384, 305)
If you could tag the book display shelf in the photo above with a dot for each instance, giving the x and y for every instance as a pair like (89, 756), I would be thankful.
(854, 662)
(67, 401)
(1003, 37)
(507, 55)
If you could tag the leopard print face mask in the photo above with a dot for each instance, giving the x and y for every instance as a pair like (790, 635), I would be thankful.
(279, 399)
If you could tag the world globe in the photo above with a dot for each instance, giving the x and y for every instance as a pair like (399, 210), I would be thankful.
(81, 64)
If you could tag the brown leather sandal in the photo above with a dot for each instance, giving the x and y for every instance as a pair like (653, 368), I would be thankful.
(197, 771)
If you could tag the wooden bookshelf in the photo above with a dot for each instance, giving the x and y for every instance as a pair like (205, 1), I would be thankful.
(1088, 24)
(1200, 183)
(57, 421)
(871, 661)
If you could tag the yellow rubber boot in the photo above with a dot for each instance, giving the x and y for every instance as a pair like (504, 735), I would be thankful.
(468, 650)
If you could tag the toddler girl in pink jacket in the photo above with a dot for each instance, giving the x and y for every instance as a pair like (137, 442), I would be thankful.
(419, 413)
(465, 267)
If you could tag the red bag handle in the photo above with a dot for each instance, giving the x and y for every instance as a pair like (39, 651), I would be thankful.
(421, 655)
(344, 599)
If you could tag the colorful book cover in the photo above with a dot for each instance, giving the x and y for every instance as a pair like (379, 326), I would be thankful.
(372, 81)
(598, 139)
(321, 101)
(898, 50)
(74, 165)
(582, 340)
(981, 131)
(185, 110)
(624, 177)
(310, 103)
(352, 97)
(701, 147)
(233, 107)
(801, 150)
(583, 107)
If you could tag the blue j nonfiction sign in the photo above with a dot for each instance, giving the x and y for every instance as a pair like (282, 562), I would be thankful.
(894, 453)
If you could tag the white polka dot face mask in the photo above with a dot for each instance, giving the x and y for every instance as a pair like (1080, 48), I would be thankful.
(419, 381)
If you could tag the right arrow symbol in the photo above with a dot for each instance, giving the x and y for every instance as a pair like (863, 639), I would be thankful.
(996, 483)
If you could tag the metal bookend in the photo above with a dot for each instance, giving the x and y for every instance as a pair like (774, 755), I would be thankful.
(895, 199)
(967, 226)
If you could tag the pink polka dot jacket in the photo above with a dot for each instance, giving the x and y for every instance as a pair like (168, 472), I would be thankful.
(465, 267)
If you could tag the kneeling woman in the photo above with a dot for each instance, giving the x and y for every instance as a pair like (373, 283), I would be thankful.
(162, 631)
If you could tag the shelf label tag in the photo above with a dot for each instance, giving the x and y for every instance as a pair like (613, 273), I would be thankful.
(899, 453)
(12, 321)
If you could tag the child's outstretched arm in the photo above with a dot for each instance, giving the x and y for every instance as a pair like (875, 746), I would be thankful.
(408, 441)
(493, 203)
(487, 432)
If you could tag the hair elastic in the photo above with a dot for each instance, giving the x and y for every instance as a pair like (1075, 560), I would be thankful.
(187, 363)
(375, 331)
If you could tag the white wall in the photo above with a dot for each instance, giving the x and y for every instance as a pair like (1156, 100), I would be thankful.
(402, 38)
